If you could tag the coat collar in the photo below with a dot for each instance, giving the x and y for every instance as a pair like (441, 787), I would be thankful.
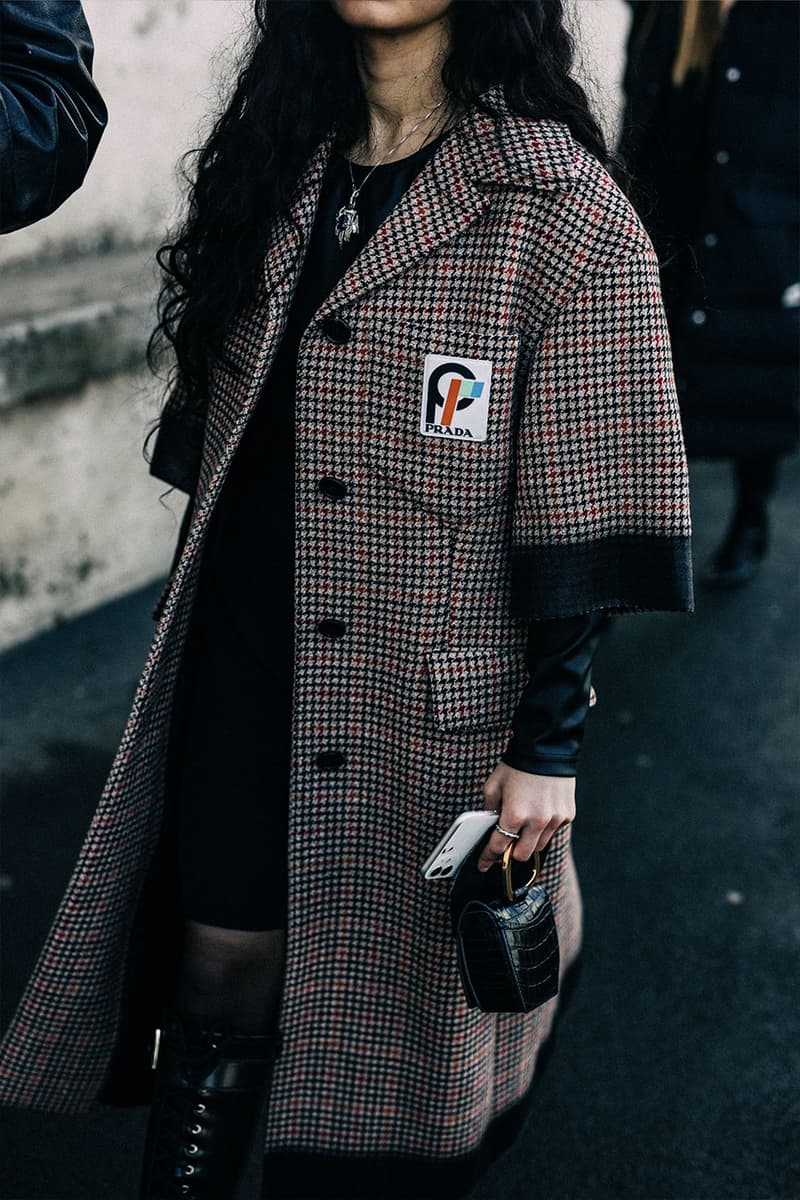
(516, 151)
(451, 191)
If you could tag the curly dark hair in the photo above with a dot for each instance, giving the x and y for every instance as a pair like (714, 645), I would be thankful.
(299, 69)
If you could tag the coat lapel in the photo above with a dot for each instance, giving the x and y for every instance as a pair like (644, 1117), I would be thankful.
(256, 335)
(454, 188)
(451, 191)
(440, 201)
(292, 230)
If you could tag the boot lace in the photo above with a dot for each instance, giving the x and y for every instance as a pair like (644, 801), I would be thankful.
(183, 1124)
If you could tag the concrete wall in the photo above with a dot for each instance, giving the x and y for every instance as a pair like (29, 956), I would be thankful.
(82, 521)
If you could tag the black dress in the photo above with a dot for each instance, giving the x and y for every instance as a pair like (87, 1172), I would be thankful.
(236, 679)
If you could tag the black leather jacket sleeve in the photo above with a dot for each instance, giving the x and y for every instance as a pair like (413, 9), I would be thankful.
(548, 725)
(51, 113)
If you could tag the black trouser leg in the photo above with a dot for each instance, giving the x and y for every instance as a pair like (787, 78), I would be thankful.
(756, 478)
(737, 559)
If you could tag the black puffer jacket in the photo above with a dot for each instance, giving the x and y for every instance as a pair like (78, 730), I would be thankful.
(51, 114)
(719, 158)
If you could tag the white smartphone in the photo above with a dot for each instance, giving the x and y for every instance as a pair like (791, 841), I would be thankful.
(449, 854)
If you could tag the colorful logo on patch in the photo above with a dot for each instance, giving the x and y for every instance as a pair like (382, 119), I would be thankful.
(455, 397)
(458, 390)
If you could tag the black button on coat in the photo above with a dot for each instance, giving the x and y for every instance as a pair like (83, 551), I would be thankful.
(336, 330)
(335, 488)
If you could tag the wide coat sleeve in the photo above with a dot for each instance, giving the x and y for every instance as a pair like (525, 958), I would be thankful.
(51, 114)
(601, 503)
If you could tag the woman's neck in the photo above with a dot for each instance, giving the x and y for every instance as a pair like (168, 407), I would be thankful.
(401, 75)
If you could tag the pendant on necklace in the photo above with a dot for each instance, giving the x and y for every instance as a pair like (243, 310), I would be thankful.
(346, 222)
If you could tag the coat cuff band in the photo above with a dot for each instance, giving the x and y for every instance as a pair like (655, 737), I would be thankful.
(626, 573)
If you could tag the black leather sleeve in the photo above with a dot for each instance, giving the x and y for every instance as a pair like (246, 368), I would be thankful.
(51, 113)
(548, 725)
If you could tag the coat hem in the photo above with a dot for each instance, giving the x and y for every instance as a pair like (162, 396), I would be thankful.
(305, 1175)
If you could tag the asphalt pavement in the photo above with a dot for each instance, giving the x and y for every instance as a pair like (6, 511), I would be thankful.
(675, 1074)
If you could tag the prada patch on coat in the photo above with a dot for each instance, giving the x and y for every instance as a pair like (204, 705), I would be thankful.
(455, 397)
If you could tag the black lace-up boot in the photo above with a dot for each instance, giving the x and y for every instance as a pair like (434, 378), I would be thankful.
(209, 1085)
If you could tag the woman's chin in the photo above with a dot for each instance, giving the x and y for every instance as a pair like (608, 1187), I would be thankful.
(389, 16)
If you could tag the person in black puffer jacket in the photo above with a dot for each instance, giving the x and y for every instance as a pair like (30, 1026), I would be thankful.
(51, 114)
(710, 134)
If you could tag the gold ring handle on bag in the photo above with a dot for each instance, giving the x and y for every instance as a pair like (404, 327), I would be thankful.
(509, 886)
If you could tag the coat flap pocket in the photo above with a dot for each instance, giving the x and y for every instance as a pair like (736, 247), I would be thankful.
(475, 689)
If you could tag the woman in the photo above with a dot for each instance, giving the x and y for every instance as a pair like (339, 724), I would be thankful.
(425, 410)
(711, 132)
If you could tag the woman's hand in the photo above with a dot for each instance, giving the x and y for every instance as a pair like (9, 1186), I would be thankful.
(533, 805)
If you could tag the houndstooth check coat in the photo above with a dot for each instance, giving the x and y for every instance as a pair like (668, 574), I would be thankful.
(514, 246)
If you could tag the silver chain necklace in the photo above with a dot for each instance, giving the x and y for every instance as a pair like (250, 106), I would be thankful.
(346, 223)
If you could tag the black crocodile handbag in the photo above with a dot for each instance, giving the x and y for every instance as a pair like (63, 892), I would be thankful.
(506, 938)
